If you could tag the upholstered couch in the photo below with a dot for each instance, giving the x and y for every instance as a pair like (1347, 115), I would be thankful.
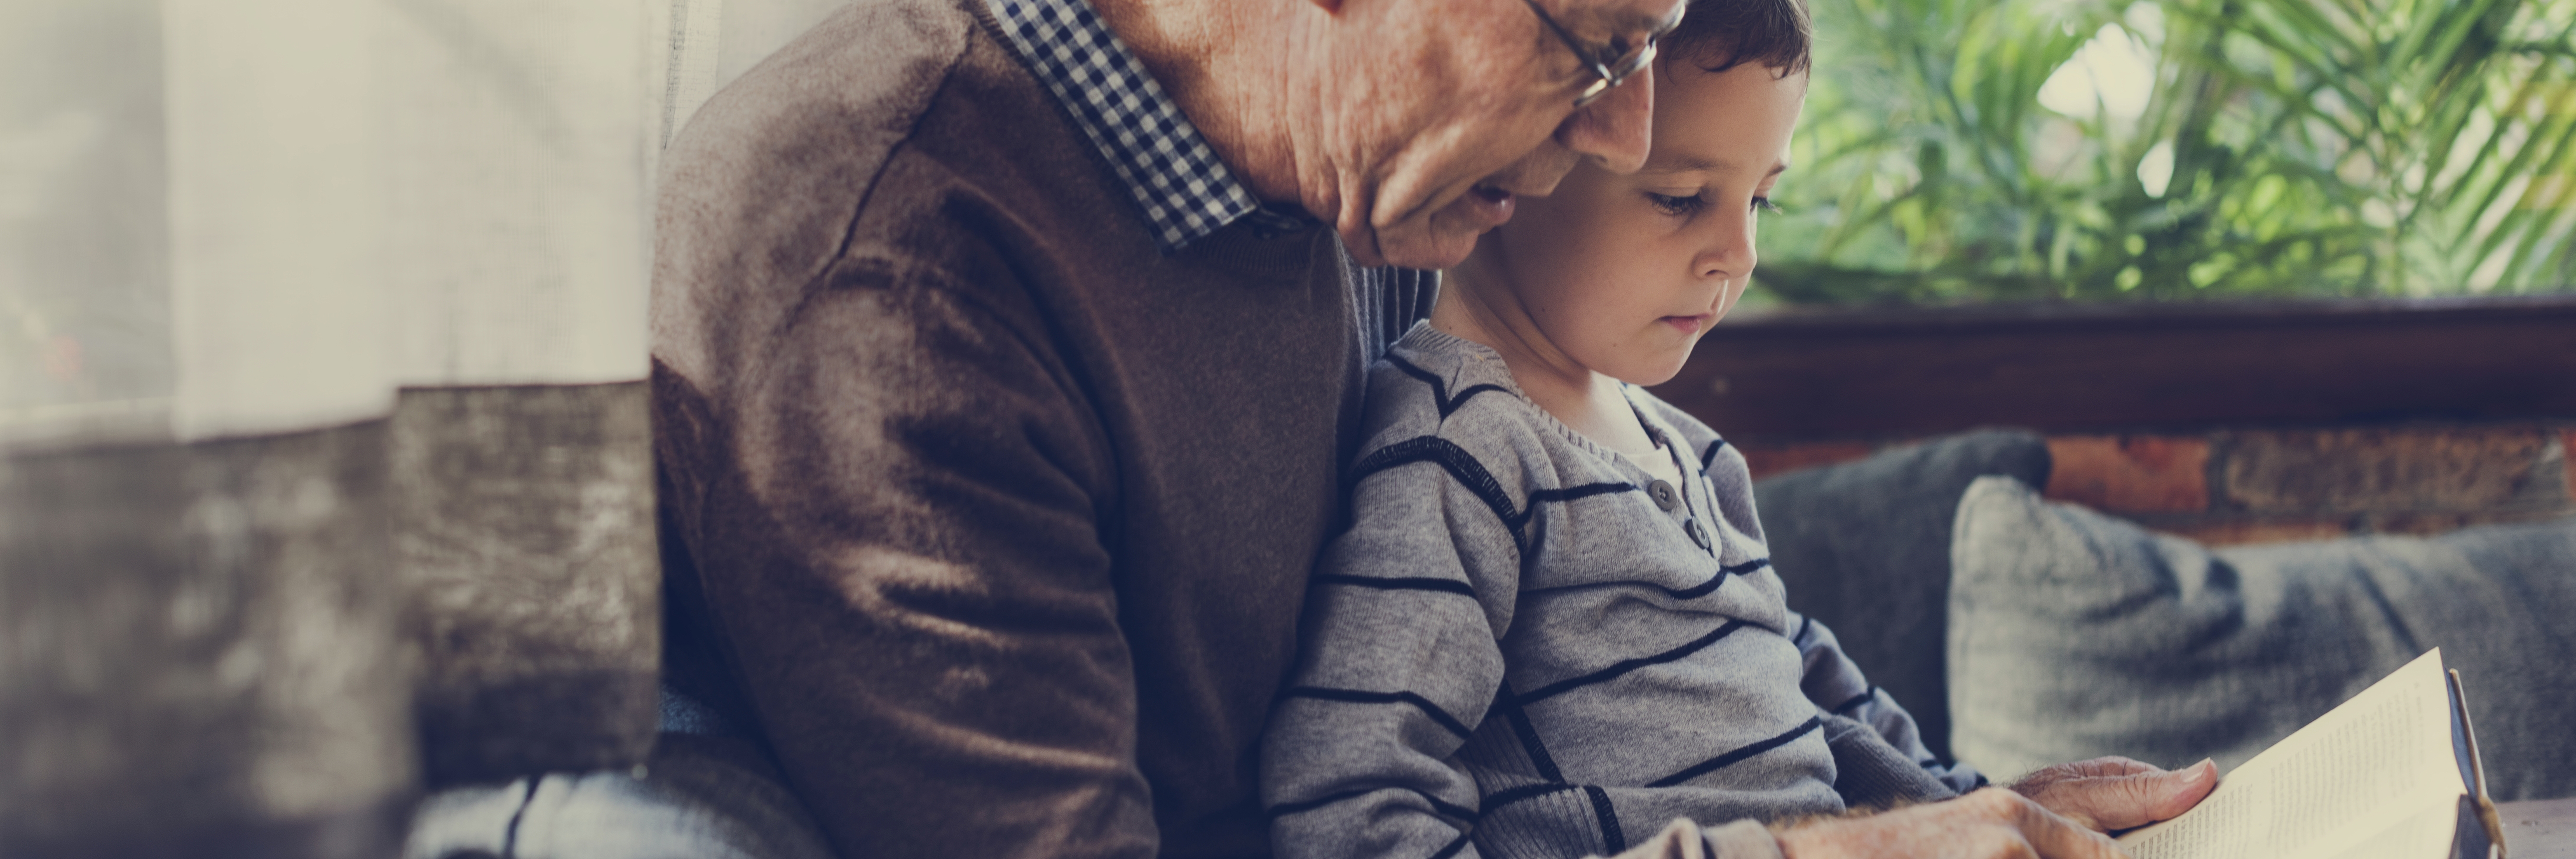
(2021, 631)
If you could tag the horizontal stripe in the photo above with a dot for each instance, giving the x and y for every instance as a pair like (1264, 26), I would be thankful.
(1690, 593)
(1453, 586)
(1439, 389)
(1857, 700)
(1624, 666)
(1359, 696)
(1732, 758)
(1461, 466)
(1455, 845)
(1472, 476)
(1714, 582)
(1575, 493)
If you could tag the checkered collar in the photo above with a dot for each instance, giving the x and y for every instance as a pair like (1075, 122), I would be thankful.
(1186, 192)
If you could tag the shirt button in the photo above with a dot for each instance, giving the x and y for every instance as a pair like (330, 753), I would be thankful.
(1664, 495)
(1697, 534)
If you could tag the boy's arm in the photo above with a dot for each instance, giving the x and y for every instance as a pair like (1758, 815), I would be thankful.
(1884, 741)
(1884, 760)
(1400, 663)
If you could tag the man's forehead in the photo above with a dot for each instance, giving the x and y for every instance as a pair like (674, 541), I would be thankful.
(1623, 16)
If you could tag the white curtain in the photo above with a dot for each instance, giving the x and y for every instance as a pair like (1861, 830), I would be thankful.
(323, 449)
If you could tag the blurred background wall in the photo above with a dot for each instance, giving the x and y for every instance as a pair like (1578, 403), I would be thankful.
(324, 469)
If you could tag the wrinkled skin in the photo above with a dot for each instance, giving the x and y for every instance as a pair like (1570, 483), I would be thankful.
(2061, 812)
(1428, 120)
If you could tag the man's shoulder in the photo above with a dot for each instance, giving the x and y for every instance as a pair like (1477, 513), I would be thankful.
(898, 143)
(847, 91)
(762, 184)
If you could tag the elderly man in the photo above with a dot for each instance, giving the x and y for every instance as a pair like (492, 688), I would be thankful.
(1006, 356)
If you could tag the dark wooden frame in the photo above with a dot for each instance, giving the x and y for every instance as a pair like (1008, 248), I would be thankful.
(2095, 367)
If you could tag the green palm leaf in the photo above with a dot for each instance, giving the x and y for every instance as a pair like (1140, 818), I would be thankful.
(2317, 148)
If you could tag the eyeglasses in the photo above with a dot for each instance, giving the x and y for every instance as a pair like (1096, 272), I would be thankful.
(1609, 70)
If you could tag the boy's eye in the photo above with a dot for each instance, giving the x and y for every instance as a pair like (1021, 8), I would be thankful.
(1764, 204)
(1672, 205)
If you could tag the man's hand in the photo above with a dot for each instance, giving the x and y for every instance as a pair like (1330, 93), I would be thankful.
(2114, 793)
(1989, 824)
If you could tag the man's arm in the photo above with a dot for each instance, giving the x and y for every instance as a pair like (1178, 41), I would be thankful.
(894, 503)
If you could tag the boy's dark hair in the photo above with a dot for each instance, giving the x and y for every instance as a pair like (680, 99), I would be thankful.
(1721, 34)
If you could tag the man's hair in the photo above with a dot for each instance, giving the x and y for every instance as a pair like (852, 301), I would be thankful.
(1718, 35)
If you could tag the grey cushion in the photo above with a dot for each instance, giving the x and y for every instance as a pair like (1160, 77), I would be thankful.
(1865, 547)
(2074, 634)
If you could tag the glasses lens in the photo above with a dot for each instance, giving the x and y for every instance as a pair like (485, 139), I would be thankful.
(1599, 88)
(1631, 63)
(1619, 70)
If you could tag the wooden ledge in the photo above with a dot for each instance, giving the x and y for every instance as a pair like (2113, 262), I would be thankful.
(2094, 367)
(2539, 829)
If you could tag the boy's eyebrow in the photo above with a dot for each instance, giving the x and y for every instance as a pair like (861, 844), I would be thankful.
(1695, 163)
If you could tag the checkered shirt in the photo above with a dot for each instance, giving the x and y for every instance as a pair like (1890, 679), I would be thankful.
(1185, 191)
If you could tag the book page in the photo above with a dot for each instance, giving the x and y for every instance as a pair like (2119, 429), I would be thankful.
(2373, 777)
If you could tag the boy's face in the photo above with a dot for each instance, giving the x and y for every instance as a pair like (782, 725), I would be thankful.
(1623, 273)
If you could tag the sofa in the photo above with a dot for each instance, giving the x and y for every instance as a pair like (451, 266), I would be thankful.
(2023, 631)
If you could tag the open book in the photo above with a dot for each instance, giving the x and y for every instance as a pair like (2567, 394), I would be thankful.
(2391, 774)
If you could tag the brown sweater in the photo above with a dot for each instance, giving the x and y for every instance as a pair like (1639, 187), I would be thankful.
(991, 519)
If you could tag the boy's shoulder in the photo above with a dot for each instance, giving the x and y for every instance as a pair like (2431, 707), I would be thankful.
(1433, 383)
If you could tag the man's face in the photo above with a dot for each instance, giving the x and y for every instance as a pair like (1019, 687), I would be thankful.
(1438, 116)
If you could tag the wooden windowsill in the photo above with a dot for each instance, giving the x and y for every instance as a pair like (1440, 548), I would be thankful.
(2094, 367)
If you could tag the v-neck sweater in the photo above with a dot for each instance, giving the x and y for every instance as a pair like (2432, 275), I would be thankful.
(991, 519)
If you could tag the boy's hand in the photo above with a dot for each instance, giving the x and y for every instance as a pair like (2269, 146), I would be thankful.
(1989, 824)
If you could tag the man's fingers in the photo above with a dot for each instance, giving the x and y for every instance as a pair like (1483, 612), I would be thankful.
(2056, 837)
(2191, 785)
(2113, 765)
(2110, 802)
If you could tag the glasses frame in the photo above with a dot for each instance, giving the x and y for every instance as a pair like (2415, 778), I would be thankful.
(1607, 74)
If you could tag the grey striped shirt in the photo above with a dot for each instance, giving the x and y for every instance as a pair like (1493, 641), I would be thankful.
(1526, 646)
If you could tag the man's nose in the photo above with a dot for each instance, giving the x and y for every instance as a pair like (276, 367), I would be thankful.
(1616, 128)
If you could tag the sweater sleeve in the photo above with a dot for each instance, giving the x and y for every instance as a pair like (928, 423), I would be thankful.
(1399, 666)
(892, 516)
(1880, 758)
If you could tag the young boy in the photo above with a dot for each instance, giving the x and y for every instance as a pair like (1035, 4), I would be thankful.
(1552, 627)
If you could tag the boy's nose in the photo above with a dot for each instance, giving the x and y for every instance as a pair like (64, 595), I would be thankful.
(1730, 253)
